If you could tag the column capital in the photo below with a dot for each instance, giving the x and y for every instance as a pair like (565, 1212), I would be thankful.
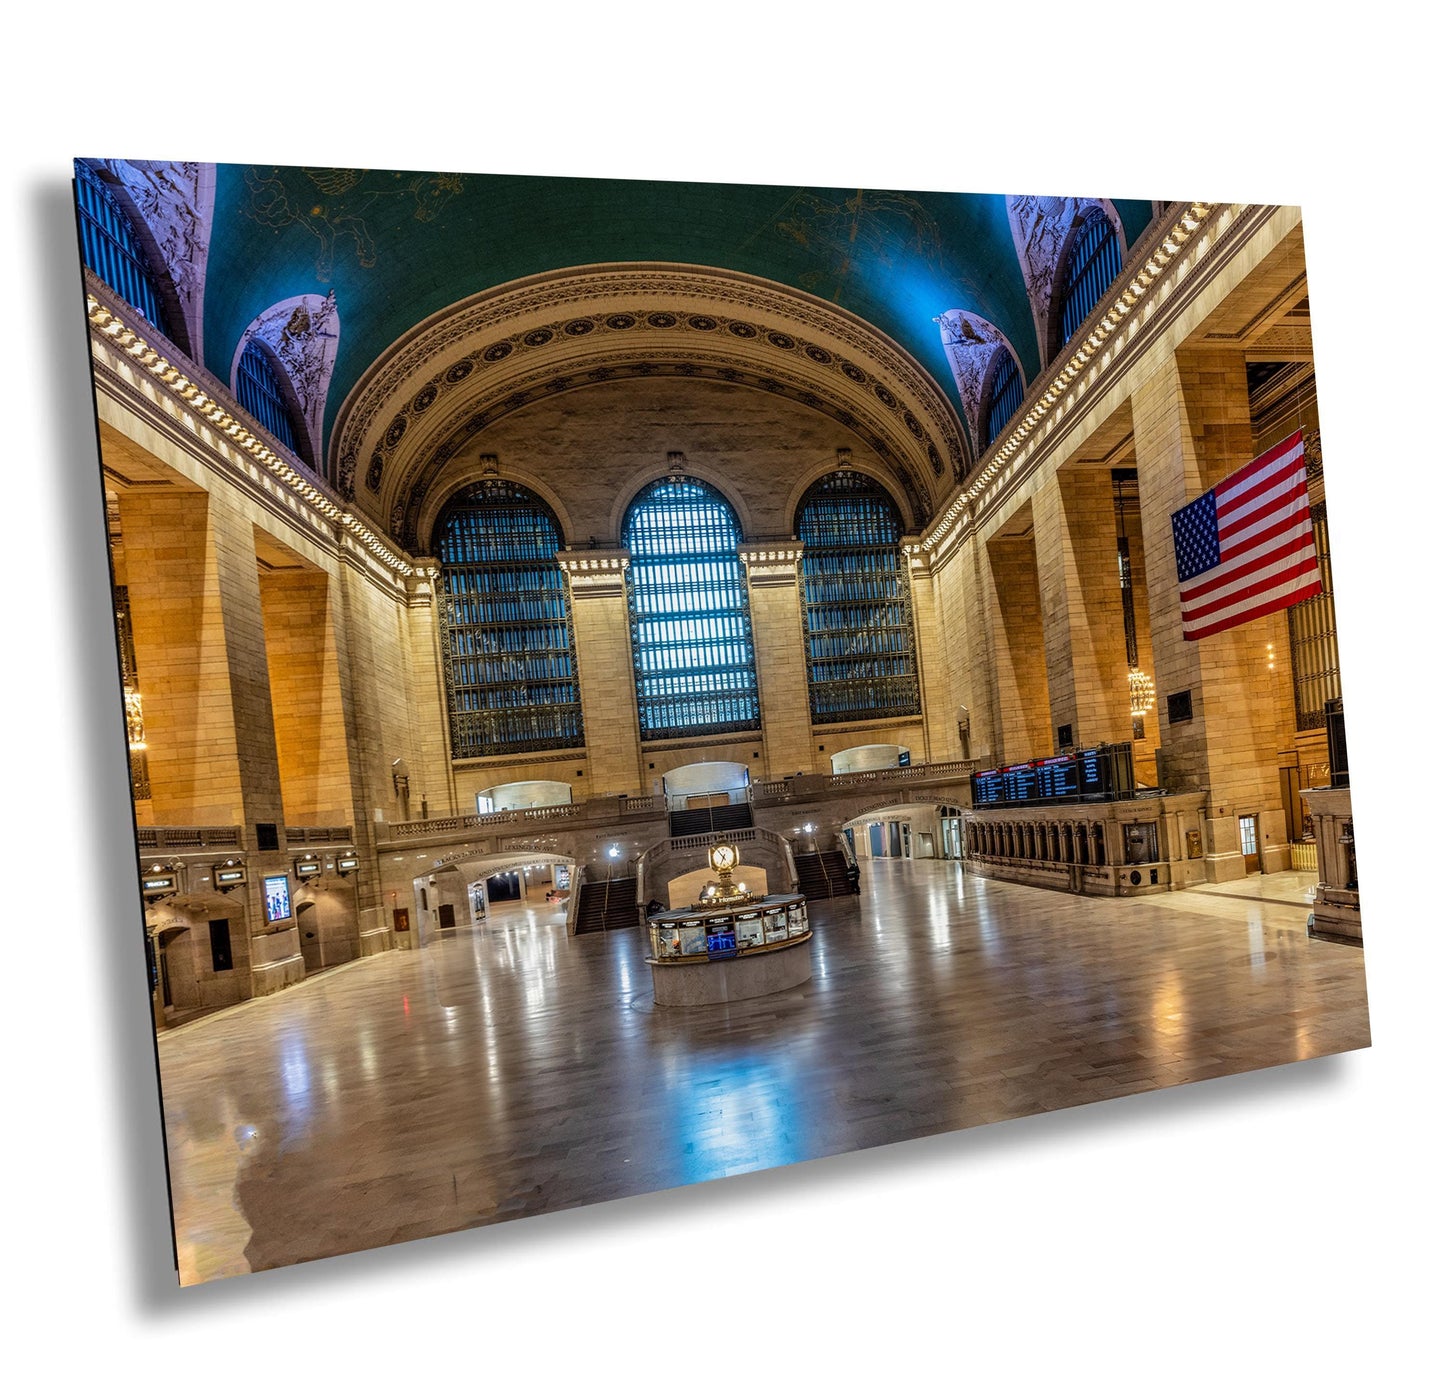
(771, 563)
(920, 562)
(594, 572)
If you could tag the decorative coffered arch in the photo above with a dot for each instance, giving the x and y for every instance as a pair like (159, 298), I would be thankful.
(476, 362)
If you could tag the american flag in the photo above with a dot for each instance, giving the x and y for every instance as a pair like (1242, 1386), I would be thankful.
(1247, 547)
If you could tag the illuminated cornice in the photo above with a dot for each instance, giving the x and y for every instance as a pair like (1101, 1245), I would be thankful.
(180, 382)
(1110, 328)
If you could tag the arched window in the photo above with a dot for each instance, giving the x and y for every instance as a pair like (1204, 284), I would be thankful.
(856, 613)
(692, 638)
(259, 391)
(1093, 263)
(1005, 394)
(111, 250)
(511, 673)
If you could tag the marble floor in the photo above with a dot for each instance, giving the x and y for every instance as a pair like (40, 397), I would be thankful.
(512, 1071)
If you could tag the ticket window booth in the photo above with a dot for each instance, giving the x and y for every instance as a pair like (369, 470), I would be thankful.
(1141, 843)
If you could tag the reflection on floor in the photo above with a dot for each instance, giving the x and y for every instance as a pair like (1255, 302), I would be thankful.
(508, 1072)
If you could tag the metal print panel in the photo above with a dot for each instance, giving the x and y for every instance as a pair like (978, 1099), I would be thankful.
(760, 542)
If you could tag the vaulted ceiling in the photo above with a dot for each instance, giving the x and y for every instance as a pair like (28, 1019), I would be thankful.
(864, 304)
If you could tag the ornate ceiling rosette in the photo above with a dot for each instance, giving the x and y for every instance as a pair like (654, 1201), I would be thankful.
(462, 370)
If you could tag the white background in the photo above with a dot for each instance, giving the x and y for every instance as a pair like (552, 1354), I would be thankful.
(1274, 1233)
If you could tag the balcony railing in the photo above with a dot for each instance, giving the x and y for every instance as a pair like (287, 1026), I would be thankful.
(605, 810)
(318, 836)
(189, 838)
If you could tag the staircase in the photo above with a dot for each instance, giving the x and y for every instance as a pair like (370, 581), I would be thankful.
(822, 874)
(697, 821)
(605, 904)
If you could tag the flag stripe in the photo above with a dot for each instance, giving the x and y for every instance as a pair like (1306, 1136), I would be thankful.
(1259, 508)
(1246, 548)
(1310, 590)
(1299, 545)
(1291, 449)
(1274, 483)
(1297, 567)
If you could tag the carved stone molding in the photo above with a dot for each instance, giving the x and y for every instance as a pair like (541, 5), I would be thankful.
(176, 203)
(484, 358)
(594, 573)
(772, 565)
(302, 332)
(971, 343)
(1041, 228)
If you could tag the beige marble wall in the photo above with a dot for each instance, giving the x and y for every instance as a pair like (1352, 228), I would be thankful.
(1024, 725)
(1076, 541)
(303, 673)
(780, 651)
(178, 625)
(604, 671)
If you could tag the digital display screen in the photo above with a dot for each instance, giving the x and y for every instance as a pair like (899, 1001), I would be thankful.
(722, 943)
(347, 863)
(1020, 783)
(987, 787)
(1058, 778)
(276, 892)
(308, 867)
(227, 877)
(159, 882)
(1102, 772)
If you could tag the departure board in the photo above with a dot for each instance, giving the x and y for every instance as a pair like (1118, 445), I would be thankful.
(987, 787)
(1091, 774)
(1020, 784)
(1058, 778)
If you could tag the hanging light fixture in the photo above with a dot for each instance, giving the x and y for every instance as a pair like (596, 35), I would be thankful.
(1141, 684)
(134, 720)
(1141, 693)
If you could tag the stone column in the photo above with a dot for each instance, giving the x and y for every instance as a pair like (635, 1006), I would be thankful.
(967, 634)
(200, 642)
(603, 638)
(301, 661)
(1022, 712)
(780, 650)
(179, 629)
(433, 777)
(1192, 428)
(938, 691)
(375, 682)
(1076, 542)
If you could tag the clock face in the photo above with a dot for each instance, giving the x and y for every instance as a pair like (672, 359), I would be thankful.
(724, 858)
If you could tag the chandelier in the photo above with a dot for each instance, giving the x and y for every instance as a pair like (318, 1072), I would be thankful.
(1141, 684)
(1141, 692)
(134, 720)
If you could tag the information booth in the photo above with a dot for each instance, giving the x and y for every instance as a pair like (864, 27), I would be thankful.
(730, 945)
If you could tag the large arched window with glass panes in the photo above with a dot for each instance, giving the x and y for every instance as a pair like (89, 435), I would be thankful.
(111, 249)
(1005, 394)
(507, 646)
(260, 393)
(1092, 264)
(692, 638)
(857, 620)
